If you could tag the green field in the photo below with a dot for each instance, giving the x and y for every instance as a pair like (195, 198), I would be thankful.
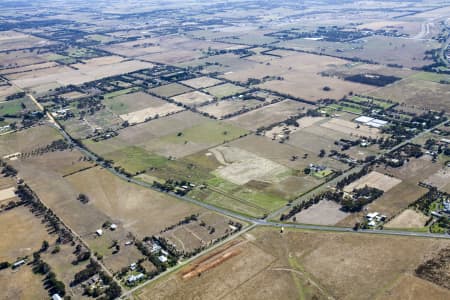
(81, 53)
(100, 38)
(225, 90)
(323, 174)
(62, 59)
(14, 107)
(343, 106)
(120, 93)
(209, 132)
(435, 77)
(135, 159)
(377, 102)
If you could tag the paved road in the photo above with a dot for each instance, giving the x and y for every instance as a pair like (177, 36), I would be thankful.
(253, 222)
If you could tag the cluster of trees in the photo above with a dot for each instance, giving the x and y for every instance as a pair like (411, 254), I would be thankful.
(434, 269)
(423, 203)
(54, 285)
(83, 198)
(28, 197)
(58, 145)
(372, 79)
(15, 96)
(7, 170)
(186, 220)
(360, 198)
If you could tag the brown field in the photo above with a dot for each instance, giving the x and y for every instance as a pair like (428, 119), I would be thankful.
(397, 199)
(411, 287)
(241, 166)
(7, 193)
(7, 90)
(63, 75)
(191, 236)
(374, 180)
(25, 234)
(382, 49)
(301, 75)
(306, 265)
(269, 114)
(21, 58)
(73, 95)
(62, 162)
(11, 40)
(282, 153)
(350, 128)
(61, 264)
(29, 68)
(417, 93)
(440, 179)
(142, 115)
(193, 98)
(201, 82)
(22, 284)
(139, 210)
(170, 90)
(413, 171)
(167, 49)
(224, 108)
(322, 213)
(408, 219)
(27, 140)
(313, 139)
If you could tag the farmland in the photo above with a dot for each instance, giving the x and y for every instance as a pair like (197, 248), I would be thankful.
(292, 270)
(210, 150)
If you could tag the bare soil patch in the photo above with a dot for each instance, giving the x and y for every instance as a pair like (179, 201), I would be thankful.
(408, 219)
(374, 180)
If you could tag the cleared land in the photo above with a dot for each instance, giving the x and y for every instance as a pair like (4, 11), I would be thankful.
(201, 82)
(417, 93)
(25, 234)
(374, 180)
(242, 166)
(322, 213)
(225, 90)
(297, 74)
(269, 114)
(27, 140)
(308, 264)
(408, 219)
(226, 108)
(351, 128)
(170, 90)
(193, 98)
(138, 107)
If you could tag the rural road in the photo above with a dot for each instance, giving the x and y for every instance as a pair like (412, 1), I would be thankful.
(251, 222)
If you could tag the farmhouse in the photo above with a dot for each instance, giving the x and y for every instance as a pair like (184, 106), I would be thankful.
(446, 204)
(56, 297)
(445, 141)
(18, 263)
(372, 122)
(162, 258)
(134, 278)
(99, 232)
